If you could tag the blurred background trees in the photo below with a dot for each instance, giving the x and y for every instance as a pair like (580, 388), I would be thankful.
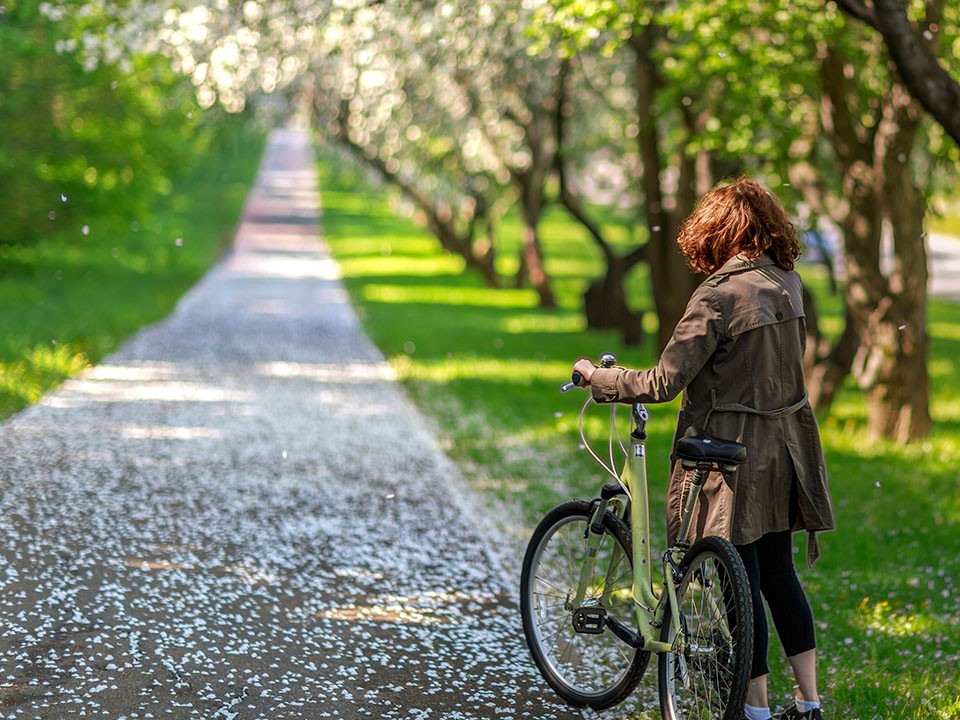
(621, 112)
(118, 191)
(81, 138)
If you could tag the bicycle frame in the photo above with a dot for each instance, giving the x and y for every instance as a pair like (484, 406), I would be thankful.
(650, 608)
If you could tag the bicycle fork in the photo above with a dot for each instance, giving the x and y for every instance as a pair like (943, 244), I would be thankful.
(594, 536)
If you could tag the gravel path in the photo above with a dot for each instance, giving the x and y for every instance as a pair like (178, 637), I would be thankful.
(238, 515)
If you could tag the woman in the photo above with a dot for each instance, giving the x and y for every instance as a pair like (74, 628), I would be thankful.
(737, 353)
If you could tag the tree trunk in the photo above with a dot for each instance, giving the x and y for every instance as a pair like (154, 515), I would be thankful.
(533, 264)
(879, 315)
(885, 305)
(891, 364)
(670, 278)
(605, 305)
(905, 209)
(483, 261)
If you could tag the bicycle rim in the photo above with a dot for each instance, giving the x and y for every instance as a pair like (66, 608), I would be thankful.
(586, 670)
(707, 677)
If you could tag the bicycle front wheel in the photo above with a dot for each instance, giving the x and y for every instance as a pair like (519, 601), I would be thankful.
(596, 670)
(706, 675)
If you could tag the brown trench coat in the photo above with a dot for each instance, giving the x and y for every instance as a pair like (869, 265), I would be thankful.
(738, 354)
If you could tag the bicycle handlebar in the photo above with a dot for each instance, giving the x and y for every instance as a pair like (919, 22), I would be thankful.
(607, 360)
(576, 380)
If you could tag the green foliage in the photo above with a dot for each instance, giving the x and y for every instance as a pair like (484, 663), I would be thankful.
(118, 193)
(749, 77)
(64, 304)
(572, 25)
(485, 367)
(76, 143)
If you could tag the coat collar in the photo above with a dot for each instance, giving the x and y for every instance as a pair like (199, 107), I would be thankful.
(739, 263)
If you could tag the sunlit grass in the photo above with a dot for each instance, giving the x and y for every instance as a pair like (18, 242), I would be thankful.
(542, 323)
(458, 367)
(882, 617)
(447, 295)
(485, 367)
(374, 266)
(24, 381)
(946, 218)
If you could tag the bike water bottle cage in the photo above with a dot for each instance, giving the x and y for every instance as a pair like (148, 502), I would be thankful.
(707, 450)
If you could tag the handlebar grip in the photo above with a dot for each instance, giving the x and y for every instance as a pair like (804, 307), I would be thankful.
(576, 380)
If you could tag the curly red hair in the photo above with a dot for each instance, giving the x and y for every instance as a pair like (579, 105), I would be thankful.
(741, 217)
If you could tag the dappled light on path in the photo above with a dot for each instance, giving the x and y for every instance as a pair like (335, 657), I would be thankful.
(113, 384)
(328, 373)
(239, 515)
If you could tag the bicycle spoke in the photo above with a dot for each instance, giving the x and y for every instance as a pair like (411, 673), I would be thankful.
(543, 605)
(546, 582)
(588, 669)
(562, 621)
(707, 678)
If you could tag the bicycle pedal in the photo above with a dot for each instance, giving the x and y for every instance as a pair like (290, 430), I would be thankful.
(590, 620)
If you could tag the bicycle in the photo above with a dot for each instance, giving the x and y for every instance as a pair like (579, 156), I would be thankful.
(590, 613)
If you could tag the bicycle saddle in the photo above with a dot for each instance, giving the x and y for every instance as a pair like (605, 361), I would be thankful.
(706, 449)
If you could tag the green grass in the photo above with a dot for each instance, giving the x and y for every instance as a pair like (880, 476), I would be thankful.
(946, 216)
(485, 366)
(71, 295)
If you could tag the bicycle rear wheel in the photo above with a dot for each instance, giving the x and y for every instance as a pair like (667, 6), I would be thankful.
(595, 670)
(707, 676)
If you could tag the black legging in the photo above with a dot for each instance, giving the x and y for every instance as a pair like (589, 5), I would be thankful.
(769, 563)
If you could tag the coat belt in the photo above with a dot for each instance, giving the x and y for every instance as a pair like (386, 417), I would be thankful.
(741, 408)
(813, 544)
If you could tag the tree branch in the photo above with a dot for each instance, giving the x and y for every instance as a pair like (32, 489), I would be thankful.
(927, 80)
(860, 11)
(837, 118)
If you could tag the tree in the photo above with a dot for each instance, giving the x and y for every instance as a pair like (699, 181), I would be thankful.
(81, 140)
(873, 126)
(458, 109)
(605, 299)
(670, 175)
(913, 53)
(834, 121)
(465, 114)
(857, 150)
(380, 94)
(788, 91)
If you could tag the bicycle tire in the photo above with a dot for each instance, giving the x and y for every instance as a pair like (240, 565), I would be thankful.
(596, 671)
(708, 677)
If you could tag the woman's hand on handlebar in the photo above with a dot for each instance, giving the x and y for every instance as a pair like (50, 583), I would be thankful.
(585, 367)
(582, 372)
